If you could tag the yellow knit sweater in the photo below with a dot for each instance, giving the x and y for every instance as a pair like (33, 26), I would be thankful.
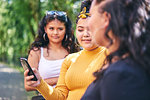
(75, 76)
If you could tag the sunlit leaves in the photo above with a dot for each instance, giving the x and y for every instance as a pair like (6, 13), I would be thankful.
(19, 22)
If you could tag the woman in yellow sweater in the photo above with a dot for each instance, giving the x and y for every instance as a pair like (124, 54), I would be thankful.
(77, 69)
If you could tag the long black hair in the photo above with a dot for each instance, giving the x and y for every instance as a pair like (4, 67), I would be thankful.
(69, 39)
(130, 23)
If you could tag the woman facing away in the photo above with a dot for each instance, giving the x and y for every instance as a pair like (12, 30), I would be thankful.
(123, 26)
(54, 42)
(77, 68)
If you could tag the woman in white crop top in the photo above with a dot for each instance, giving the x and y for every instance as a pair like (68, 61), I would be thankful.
(54, 42)
(51, 68)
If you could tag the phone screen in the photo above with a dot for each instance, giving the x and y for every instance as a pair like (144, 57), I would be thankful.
(26, 66)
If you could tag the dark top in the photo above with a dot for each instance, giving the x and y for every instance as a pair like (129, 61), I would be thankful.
(123, 80)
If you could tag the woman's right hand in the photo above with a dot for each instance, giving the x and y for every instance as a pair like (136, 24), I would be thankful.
(28, 80)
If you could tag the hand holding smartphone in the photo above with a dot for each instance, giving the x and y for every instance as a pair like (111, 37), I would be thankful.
(25, 65)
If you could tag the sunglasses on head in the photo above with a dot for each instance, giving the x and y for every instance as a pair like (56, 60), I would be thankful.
(57, 13)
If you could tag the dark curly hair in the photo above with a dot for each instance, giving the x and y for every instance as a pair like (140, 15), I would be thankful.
(130, 22)
(69, 39)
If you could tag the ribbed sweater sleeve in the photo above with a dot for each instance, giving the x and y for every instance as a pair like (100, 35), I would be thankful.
(60, 92)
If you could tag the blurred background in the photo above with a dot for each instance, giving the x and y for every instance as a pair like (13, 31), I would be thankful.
(19, 22)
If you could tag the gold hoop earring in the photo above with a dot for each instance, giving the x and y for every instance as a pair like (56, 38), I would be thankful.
(66, 37)
(44, 37)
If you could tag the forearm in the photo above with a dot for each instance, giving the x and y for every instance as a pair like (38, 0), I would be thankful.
(60, 92)
(51, 81)
(50, 93)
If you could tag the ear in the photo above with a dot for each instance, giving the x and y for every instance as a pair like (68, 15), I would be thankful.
(107, 17)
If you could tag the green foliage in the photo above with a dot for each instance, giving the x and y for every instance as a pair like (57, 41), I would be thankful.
(19, 22)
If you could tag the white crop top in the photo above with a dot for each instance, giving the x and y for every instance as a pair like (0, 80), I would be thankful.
(49, 68)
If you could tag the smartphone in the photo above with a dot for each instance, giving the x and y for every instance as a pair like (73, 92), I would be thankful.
(25, 65)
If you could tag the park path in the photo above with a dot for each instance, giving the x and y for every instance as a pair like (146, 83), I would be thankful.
(11, 84)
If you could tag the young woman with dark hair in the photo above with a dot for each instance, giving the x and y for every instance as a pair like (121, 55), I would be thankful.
(54, 42)
(42, 40)
(77, 68)
(123, 26)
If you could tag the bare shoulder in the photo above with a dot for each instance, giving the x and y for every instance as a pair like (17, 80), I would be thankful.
(35, 52)
(34, 57)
